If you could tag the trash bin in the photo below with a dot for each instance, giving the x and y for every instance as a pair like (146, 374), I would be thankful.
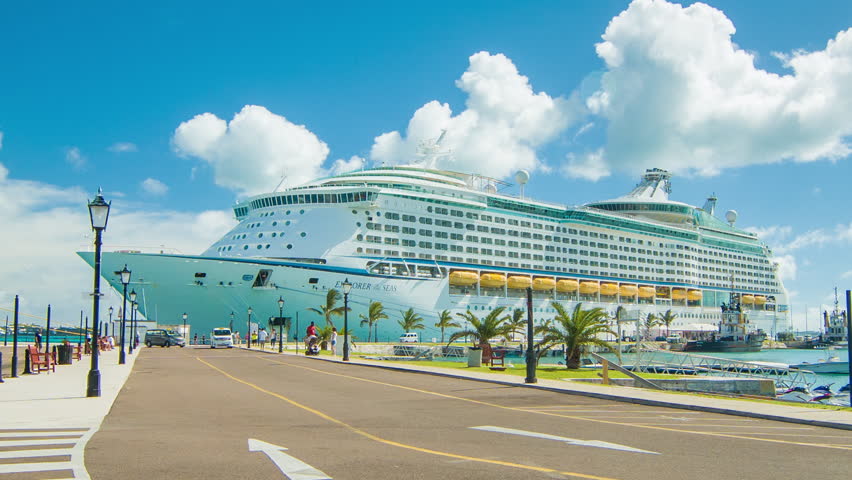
(474, 357)
(64, 353)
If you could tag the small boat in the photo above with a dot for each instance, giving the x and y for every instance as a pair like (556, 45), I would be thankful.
(828, 365)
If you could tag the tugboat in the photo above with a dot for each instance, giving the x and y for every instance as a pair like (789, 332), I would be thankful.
(733, 334)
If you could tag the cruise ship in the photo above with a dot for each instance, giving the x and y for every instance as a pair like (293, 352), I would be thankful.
(434, 240)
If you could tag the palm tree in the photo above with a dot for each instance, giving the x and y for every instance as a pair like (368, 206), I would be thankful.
(619, 315)
(375, 312)
(482, 330)
(518, 322)
(445, 320)
(576, 330)
(667, 319)
(650, 322)
(329, 310)
(410, 321)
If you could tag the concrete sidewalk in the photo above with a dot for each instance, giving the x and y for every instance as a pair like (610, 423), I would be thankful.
(765, 409)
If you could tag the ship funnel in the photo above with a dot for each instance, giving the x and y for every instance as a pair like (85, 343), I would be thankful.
(710, 205)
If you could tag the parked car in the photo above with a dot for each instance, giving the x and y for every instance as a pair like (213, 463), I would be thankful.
(409, 337)
(163, 338)
(221, 337)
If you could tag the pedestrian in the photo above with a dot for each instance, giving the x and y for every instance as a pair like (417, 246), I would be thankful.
(204, 339)
(312, 330)
(195, 339)
(273, 338)
(333, 340)
(38, 339)
(237, 337)
(261, 337)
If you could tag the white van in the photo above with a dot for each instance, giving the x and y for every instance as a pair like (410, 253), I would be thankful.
(221, 337)
(409, 337)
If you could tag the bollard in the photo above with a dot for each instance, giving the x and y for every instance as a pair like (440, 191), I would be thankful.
(1, 367)
(27, 361)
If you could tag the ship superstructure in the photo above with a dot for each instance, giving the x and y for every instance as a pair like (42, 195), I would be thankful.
(430, 239)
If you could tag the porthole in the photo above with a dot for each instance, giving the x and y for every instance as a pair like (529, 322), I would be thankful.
(429, 209)
(259, 247)
(274, 223)
(289, 246)
(359, 250)
(359, 237)
(259, 235)
(288, 212)
(303, 234)
(379, 214)
(274, 234)
(301, 212)
(354, 212)
(357, 224)
(287, 222)
(245, 247)
(267, 246)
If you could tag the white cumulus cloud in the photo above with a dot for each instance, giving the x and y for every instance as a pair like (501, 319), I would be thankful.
(342, 166)
(679, 94)
(503, 124)
(253, 151)
(590, 166)
(122, 147)
(75, 158)
(154, 186)
(52, 223)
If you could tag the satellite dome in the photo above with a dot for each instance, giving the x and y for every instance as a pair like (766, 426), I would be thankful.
(522, 177)
(491, 188)
(731, 216)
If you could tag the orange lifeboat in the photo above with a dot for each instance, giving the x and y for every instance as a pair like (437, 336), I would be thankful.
(647, 292)
(628, 290)
(492, 280)
(694, 295)
(587, 288)
(543, 283)
(609, 288)
(567, 285)
(518, 282)
(747, 299)
(678, 294)
(463, 278)
(759, 299)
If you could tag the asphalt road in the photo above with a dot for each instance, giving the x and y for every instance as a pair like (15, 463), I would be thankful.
(189, 413)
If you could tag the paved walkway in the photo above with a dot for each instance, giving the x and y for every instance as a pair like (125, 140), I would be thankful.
(50, 413)
(756, 409)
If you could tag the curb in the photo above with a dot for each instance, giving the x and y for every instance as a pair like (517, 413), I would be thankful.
(601, 396)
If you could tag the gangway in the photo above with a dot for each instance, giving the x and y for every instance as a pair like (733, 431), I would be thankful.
(650, 359)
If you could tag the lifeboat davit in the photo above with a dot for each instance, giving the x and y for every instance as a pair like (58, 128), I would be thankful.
(543, 283)
(678, 294)
(747, 299)
(492, 280)
(567, 285)
(463, 278)
(647, 292)
(609, 288)
(694, 295)
(518, 282)
(587, 288)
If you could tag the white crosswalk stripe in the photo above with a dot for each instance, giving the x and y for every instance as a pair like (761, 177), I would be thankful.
(69, 445)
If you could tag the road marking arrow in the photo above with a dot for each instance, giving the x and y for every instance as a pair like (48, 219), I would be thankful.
(292, 467)
(570, 441)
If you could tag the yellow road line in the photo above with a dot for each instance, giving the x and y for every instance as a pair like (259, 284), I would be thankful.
(573, 417)
(398, 444)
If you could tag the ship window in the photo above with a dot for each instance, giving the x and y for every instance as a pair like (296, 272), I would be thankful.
(200, 275)
(313, 280)
(262, 278)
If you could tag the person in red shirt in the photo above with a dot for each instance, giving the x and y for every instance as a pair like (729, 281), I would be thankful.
(312, 330)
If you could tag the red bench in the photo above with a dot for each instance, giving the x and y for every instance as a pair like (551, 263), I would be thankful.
(493, 358)
(78, 352)
(40, 361)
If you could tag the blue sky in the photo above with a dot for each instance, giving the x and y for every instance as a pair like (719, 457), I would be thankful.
(93, 95)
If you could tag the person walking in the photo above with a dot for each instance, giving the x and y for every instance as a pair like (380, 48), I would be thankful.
(273, 338)
(261, 337)
(333, 340)
(38, 340)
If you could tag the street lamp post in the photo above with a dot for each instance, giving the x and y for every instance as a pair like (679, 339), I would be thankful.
(280, 324)
(125, 279)
(98, 214)
(231, 326)
(135, 322)
(185, 334)
(531, 360)
(110, 322)
(248, 331)
(347, 287)
(132, 317)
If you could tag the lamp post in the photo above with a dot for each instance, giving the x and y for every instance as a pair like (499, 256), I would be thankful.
(98, 214)
(531, 360)
(134, 323)
(132, 317)
(347, 287)
(231, 326)
(248, 331)
(125, 279)
(280, 324)
(185, 335)
(110, 321)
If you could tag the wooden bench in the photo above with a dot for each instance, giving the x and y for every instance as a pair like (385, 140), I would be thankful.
(78, 352)
(40, 361)
(495, 359)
